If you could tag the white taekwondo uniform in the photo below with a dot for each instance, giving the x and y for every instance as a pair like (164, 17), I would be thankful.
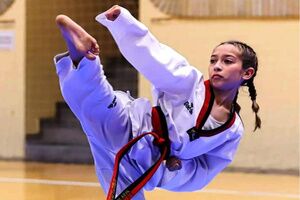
(111, 118)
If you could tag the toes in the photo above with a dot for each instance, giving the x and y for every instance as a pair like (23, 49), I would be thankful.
(95, 48)
(95, 51)
(89, 55)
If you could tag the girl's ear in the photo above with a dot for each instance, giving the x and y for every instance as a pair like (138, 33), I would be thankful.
(248, 73)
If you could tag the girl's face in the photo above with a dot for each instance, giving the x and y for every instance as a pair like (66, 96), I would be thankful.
(225, 69)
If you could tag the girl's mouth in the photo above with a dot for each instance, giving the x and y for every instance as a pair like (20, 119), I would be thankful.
(216, 76)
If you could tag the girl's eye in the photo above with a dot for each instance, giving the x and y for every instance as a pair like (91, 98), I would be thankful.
(228, 62)
(212, 61)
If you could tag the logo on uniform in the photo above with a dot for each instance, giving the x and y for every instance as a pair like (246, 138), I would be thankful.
(189, 106)
(113, 103)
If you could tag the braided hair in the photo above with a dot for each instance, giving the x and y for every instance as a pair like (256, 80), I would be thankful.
(249, 59)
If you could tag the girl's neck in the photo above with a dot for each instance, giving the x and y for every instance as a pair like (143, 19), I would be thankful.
(225, 98)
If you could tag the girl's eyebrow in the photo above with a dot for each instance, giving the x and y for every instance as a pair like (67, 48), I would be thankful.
(233, 56)
(226, 55)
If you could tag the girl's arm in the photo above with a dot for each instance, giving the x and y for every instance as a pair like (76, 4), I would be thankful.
(167, 70)
(197, 172)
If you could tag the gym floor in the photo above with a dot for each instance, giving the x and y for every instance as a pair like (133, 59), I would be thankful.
(40, 181)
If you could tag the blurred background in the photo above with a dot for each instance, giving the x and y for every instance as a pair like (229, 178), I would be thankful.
(36, 124)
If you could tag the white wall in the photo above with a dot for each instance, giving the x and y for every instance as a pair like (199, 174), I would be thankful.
(12, 91)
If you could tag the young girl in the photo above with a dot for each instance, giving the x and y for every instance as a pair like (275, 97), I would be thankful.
(195, 119)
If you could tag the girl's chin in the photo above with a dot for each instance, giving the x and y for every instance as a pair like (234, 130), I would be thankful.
(223, 86)
(220, 85)
(216, 83)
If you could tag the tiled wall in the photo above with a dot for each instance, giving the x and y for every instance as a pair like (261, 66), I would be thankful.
(43, 41)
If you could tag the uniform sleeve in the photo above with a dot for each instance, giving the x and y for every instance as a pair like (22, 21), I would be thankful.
(167, 70)
(197, 172)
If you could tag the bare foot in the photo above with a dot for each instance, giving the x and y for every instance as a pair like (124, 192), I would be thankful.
(113, 13)
(80, 44)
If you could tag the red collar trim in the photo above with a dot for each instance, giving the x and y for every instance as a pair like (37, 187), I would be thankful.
(197, 131)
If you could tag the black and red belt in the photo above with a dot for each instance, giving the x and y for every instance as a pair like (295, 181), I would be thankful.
(161, 140)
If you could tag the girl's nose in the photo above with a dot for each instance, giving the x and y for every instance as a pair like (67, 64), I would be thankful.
(217, 67)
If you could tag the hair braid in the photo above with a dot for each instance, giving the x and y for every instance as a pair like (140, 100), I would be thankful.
(237, 106)
(255, 106)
